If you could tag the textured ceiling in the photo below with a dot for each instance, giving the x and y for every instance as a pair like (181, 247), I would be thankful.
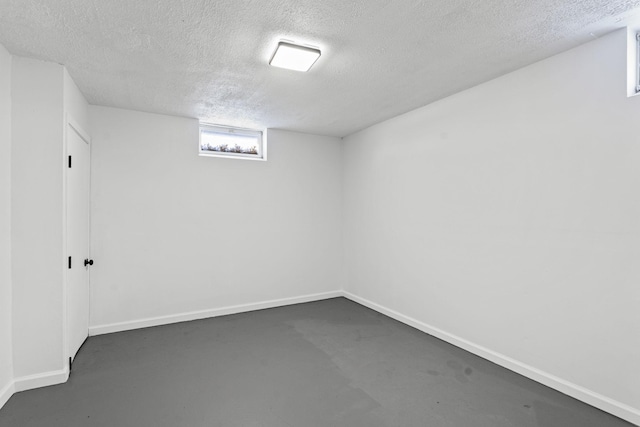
(209, 59)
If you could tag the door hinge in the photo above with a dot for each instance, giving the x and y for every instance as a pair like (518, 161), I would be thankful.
(70, 364)
(69, 161)
(69, 262)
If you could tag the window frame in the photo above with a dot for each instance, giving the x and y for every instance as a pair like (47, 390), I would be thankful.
(637, 62)
(229, 130)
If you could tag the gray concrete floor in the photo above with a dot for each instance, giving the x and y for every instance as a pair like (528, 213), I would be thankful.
(328, 363)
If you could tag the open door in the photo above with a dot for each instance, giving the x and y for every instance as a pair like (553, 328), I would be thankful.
(79, 260)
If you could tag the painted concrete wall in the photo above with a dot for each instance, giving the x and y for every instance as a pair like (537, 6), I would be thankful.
(36, 216)
(175, 233)
(6, 355)
(508, 215)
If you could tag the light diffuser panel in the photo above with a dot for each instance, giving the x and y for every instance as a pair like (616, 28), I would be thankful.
(294, 57)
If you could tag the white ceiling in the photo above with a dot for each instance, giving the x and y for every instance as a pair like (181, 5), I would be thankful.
(380, 58)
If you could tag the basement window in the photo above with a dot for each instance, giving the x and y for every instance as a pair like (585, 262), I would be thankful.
(222, 141)
(637, 62)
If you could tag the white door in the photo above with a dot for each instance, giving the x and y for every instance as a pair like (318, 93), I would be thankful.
(78, 179)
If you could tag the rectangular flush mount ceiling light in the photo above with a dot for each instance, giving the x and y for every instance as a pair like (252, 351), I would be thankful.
(294, 57)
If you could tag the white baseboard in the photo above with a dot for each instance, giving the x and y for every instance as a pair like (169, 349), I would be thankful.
(614, 407)
(32, 381)
(6, 393)
(203, 314)
(611, 406)
(58, 377)
(41, 380)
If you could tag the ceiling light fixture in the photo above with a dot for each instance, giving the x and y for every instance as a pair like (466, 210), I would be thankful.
(294, 57)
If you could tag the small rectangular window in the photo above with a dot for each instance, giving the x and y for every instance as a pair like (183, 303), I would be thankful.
(637, 62)
(221, 141)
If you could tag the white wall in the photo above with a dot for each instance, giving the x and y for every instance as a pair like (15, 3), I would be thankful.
(175, 233)
(34, 99)
(75, 104)
(508, 217)
(6, 355)
(37, 221)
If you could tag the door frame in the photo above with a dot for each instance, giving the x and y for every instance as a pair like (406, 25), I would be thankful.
(71, 125)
